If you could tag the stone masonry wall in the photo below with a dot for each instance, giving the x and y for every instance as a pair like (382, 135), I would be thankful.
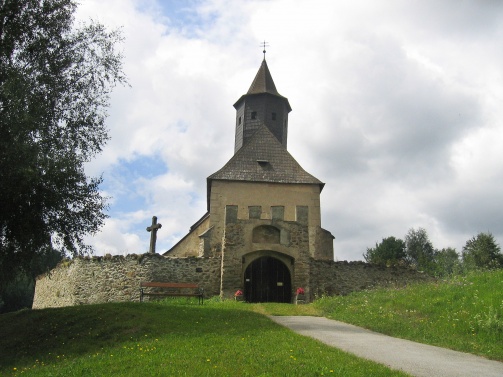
(110, 279)
(341, 278)
(240, 250)
(117, 278)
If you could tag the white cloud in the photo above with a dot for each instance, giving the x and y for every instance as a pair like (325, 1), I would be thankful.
(396, 106)
(115, 238)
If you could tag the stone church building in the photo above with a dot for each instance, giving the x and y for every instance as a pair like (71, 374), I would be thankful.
(261, 233)
(264, 216)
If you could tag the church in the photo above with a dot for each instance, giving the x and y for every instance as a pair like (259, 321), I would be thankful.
(263, 218)
(261, 233)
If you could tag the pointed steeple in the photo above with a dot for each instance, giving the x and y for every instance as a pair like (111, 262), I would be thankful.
(263, 82)
(262, 104)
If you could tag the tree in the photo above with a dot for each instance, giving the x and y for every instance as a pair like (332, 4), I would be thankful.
(482, 251)
(390, 252)
(18, 292)
(55, 83)
(446, 262)
(419, 250)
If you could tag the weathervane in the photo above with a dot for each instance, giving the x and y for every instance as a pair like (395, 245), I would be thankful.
(264, 45)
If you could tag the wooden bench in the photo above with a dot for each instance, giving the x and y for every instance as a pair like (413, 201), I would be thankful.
(172, 290)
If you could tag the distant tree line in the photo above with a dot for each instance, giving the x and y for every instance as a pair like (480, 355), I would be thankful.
(417, 251)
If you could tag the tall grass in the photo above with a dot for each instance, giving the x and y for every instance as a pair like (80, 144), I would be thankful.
(464, 313)
(169, 338)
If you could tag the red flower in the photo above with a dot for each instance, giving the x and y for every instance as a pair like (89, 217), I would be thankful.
(300, 291)
(239, 292)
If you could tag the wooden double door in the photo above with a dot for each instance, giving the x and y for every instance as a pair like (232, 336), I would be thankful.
(267, 279)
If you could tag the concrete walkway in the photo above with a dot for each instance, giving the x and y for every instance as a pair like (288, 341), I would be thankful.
(414, 358)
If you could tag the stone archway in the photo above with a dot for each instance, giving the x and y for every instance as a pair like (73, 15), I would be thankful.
(267, 279)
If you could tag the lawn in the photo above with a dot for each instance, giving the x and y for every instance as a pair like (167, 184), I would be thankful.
(181, 338)
(464, 313)
(169, 338)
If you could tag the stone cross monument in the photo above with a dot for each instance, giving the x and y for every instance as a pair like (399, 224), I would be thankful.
(153, 234)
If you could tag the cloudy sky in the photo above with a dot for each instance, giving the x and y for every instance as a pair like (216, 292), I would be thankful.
(396, 107)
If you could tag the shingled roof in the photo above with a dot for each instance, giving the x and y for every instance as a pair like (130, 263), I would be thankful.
(264, 159)
(263, 83)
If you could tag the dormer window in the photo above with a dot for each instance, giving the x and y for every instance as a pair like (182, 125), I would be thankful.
(239, 120)
(264, 165)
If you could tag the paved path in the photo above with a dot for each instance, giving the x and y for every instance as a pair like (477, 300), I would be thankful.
(414, 358)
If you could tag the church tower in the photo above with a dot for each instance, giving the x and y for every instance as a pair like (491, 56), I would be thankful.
(262, 104)
(264, 218)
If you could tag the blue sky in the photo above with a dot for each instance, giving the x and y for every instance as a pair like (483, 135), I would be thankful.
(396, 107)
(124, 177)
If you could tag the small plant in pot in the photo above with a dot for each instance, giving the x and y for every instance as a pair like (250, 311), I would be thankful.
(300, 295)
(239, 296)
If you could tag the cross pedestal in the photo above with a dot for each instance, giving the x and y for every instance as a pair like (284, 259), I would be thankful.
(153, 234)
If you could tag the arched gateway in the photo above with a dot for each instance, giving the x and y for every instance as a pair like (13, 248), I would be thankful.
(267, 279)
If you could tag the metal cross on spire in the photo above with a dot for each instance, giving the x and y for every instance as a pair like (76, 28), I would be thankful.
(264, 45)
(153, 234)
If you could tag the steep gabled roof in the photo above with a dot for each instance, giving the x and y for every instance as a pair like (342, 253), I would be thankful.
(263, 159)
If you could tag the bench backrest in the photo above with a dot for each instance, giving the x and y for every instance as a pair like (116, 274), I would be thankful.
(168, 285)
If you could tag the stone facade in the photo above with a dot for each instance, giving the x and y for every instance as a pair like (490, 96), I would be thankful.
(341, 278)
(248, 240)
(111, 279)
(193, 244)
(264, 198)
(250, 220)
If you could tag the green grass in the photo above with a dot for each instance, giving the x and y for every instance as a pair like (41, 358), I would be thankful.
(462, 313)
(171, 338)
(181, 338)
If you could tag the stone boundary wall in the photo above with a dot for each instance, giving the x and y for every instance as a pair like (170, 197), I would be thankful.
(341, 278)
(117, 278)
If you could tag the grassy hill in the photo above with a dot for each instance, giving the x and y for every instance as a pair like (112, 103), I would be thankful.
(171, 338)
(181, 338)
(464, 313)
